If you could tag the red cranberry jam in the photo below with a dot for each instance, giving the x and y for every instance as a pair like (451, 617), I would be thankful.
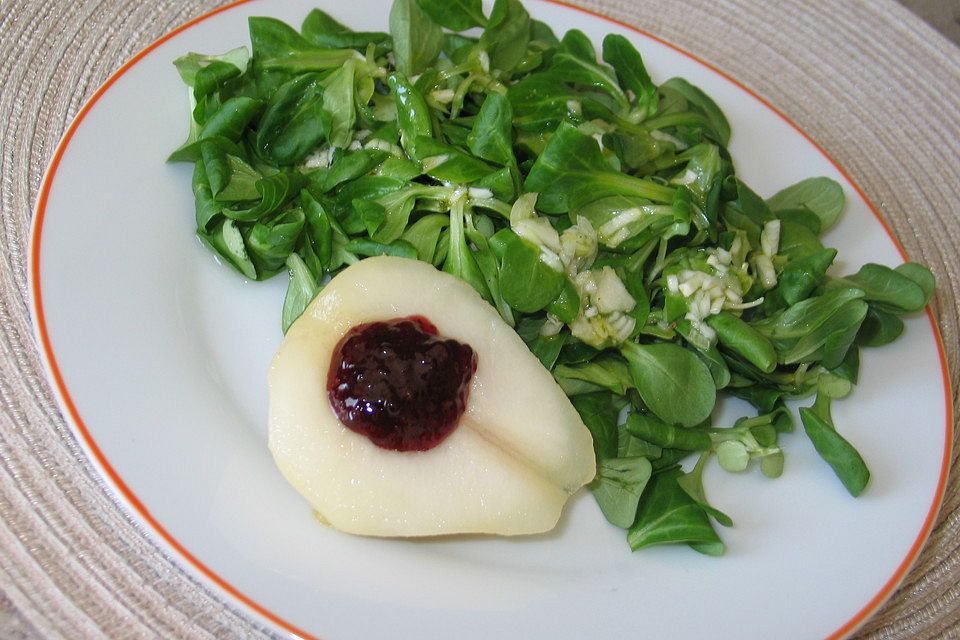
(399, 383)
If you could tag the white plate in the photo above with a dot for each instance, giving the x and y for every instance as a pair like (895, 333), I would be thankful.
(159, 357)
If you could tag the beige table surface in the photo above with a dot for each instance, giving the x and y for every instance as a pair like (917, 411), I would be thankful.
(872, 83)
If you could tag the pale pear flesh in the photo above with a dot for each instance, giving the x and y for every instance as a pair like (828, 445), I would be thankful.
(518, 453)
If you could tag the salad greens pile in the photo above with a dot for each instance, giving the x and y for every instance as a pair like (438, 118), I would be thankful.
(599, 212)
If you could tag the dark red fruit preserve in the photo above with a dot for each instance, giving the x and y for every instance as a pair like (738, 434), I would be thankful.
(399, 383)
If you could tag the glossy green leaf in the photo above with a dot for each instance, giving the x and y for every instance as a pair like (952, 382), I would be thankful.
(294, 122)
(456, 15)
(228, 123)
(579, 66)
(888, 289)
(599, 413)
(739, 337)
(413, 114)
(608, 373)
(620, 54)
(319, 229)
(417, 39)
(491, 136)
(542, 100)
(275, 191)
(192, 64)
(692, 484)
(673, 382)
(459, 259)
(526, 282)
(879, 328)
(225, 239)
(301, 289)
(338, 104)
(506, 34)
(618, 486)
(271, 241)
(351, 166)
(842, 457)
(242, 182)
(650, 428)
(322, 30)
(823, 196)
(702, 104)
(448, 163)
(424, 235)
(668, 515)
(571, 172)
(365, 247)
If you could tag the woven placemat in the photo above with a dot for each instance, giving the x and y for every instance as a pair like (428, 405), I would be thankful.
(869, 81)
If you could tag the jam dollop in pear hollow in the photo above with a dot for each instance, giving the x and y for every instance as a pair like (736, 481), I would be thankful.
(518, 451)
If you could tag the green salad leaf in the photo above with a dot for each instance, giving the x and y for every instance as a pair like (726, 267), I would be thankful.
(599, 211)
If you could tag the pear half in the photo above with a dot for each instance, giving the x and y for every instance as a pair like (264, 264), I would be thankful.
(518, 453)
